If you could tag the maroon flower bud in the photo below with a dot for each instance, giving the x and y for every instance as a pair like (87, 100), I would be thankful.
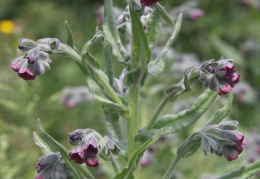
(77, 156)
(74, 137)
(91, 148)
(149, 2)
(92, 161)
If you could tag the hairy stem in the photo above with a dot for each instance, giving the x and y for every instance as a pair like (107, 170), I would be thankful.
(172, 167)
(132, 122)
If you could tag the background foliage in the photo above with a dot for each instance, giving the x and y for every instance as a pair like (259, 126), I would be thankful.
(222, 31)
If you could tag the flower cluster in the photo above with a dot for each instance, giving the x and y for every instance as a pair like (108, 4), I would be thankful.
(219, 76)
(36, 61)
(88, 146)
(223, 139)
(52, 166)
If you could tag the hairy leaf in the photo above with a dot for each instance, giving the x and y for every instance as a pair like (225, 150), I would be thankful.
(156, 67)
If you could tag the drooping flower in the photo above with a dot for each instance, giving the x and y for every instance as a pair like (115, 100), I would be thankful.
(219, 76)
(77, 156)
(231, 152)
(52, 166)
(149, 2)
(92, 161)
(91, 147)
(31, 65)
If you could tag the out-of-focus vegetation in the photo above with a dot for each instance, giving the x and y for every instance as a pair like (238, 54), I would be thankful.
(228, 28)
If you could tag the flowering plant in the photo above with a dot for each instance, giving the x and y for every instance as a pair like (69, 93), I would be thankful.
(120, 98)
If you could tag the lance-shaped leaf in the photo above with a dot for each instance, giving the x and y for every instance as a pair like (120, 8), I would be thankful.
(189, 116)
(163, 13)
(172, 123)
(157, 66)
(223, 112)
(98, 93)
(244, 172)
(78, 171)
(111, 34)
(127, 173)
(141, 53)
(154, 27)
(113, 127)
(108, 62)
(70, 39)
(43, 145)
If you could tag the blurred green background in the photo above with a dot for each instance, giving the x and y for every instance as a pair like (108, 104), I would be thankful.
(228, 28)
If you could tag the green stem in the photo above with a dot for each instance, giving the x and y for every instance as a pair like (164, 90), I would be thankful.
(69, 51)
(172, 167)
(249, 170)
(157, 113)
(132, 122)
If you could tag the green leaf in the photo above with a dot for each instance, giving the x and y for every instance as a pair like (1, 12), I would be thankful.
(156, 67)
(154, 27)
(111, 34)
(109, 70)
(127, 173)
(223, 112)
(91, 42)
(70, 40)
(163, 13)
(173, 123)
(113, 127)
(244, 172)
(43, 145)
(84, 172)
(98, 93)
(141, 53)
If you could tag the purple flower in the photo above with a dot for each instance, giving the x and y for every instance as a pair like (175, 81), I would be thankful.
(26, 73)
(219, 76)
(91, 148)
(231, 152)
(149, 2)
(15, 65)
(39, 177)
(224, 90)
(33, 64)
(77, 156)
(92, 161)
